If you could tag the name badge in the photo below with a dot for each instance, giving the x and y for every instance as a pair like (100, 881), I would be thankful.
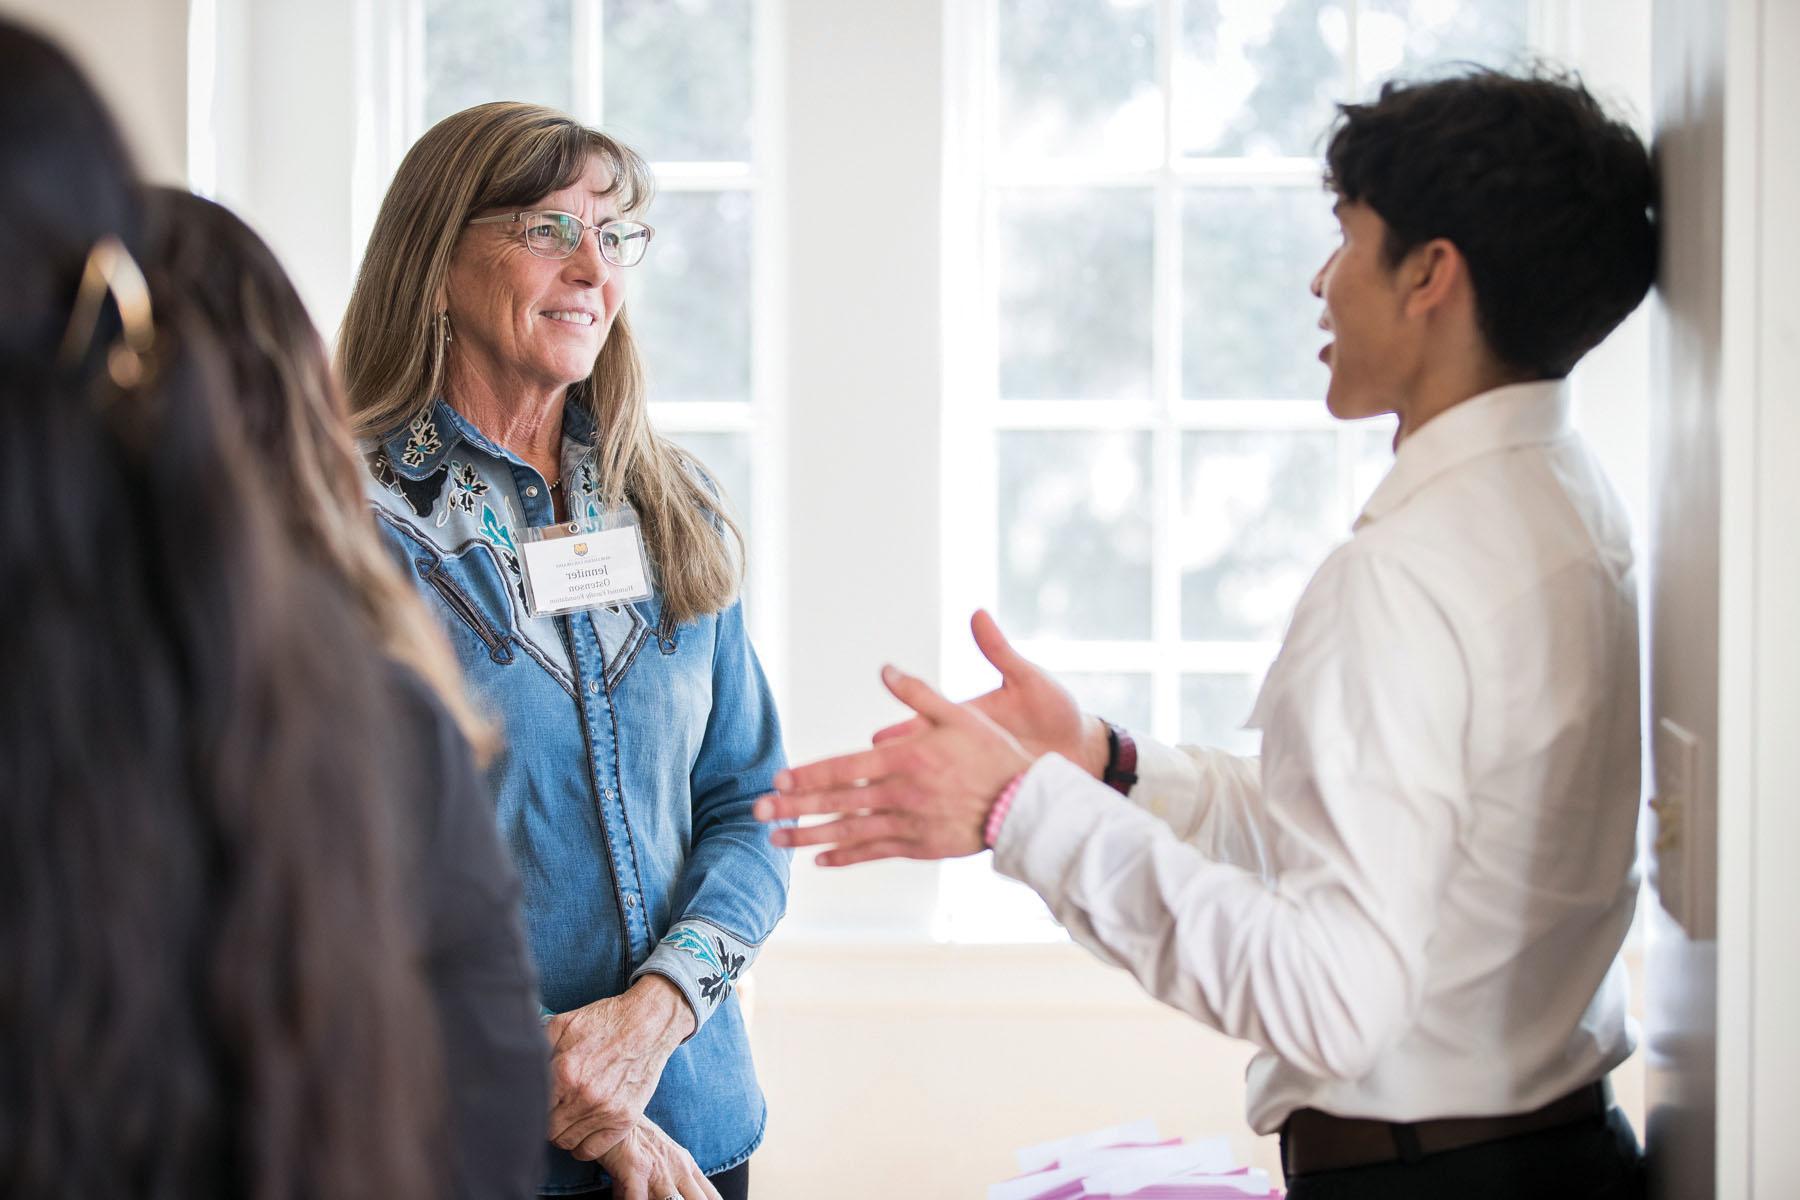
(584, 564)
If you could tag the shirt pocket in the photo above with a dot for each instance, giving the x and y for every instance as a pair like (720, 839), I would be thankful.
(432, 571)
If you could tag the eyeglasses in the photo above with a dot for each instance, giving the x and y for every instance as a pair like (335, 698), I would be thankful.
(552, 234)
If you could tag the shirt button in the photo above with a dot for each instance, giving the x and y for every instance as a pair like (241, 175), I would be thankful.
(607, 794)
(531, 489)
(630, 900)
(593, 687)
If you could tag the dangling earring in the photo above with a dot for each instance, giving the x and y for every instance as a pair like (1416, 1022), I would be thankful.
(444, 324)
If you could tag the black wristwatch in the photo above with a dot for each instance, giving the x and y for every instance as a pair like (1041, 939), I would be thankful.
(1121, 759)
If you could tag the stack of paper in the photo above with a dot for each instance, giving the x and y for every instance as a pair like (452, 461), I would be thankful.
(1132, 1160)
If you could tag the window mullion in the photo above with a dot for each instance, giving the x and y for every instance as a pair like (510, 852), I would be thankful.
(413, 32)
(587, 61)
(1165, 473)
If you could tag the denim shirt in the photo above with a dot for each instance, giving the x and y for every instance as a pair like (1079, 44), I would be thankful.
(634, 750)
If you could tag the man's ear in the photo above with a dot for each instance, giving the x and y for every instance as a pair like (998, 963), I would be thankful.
(1431, 274)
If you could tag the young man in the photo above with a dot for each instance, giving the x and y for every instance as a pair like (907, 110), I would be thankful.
(1414, 902)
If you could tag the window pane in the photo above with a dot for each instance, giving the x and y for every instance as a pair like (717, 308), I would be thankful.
(726, 457)
(1075, 270)
(1260, 79)
(1250, 323)
(1123, 699)
(1214, 709)
(1259, 513)
(690, 297)
(677, 77)
(1410, 36)
(1074, 530)
(1077, 79)
(476, 51)
(1374, 456)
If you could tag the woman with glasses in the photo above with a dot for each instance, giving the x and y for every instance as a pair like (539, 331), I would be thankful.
(587, 571)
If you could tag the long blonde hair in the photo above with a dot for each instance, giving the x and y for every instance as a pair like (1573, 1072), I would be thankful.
(391, 352)
(294, 414)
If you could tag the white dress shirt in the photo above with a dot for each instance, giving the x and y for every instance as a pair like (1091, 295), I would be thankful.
(1414, 902)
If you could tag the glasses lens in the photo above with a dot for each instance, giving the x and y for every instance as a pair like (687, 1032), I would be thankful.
(623, 242)
(552, 234)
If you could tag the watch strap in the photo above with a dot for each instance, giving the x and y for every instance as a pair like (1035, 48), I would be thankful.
(1121, 759)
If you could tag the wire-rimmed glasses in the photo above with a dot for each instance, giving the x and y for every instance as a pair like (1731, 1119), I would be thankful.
(553, 234)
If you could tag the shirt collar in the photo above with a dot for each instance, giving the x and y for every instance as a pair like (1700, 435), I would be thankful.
(421, 446)
(1520, 414)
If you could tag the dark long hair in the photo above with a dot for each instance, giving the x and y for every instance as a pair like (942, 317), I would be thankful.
(209, 982)
(298, 426)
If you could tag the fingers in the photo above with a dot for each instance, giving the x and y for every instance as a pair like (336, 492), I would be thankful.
(676, 1174)
(993, 644)
(849, 856)
(692, 1185)
(841, 832)
(830, 802)
(593, 1144)
(842, 771)
(904, 729)
(589, 1139)
(575, 1119)
(920, 696)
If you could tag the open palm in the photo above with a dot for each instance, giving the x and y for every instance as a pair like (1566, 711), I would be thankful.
(1029, 704)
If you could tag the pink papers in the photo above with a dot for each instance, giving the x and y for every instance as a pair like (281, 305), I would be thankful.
(1132, 1161)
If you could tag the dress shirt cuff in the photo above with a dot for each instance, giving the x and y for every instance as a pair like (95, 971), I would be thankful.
(1168, 779)
(1055, 809)
(702, 961)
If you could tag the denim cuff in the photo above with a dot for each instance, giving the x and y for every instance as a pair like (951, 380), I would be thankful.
(702, 961)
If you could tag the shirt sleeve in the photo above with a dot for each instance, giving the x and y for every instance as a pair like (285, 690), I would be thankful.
(734, 886)
(1210, 798)
(1322, 960)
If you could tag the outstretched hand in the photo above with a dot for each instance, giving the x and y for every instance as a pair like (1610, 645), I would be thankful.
(1029, 704)
(923, 794)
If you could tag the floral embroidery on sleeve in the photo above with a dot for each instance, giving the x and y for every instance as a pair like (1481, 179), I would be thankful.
(726, 966)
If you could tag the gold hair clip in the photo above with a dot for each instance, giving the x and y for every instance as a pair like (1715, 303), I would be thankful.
(110, 268)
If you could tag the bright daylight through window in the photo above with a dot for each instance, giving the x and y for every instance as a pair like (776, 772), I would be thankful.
(1161, 476)
(674, 80)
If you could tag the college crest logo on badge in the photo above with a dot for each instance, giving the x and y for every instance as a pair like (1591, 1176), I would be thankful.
(580, 548)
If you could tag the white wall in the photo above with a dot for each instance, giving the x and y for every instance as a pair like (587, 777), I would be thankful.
(135, 52)
(1759, 637)
(1724, 1058)
(864, 155)
(1683, 597)
(284, 126)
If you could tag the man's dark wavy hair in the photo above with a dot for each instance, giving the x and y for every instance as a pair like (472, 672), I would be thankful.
(1551, 201)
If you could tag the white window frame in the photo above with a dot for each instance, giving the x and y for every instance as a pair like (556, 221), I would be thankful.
(393, 87)
(974, 413)
(860, 382)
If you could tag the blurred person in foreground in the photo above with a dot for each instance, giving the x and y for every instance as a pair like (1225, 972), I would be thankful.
(483, 990)
(1413, 903)
(588, 576)
(211, 982)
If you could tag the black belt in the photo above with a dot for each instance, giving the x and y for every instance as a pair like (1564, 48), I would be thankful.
(1312, 1141)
